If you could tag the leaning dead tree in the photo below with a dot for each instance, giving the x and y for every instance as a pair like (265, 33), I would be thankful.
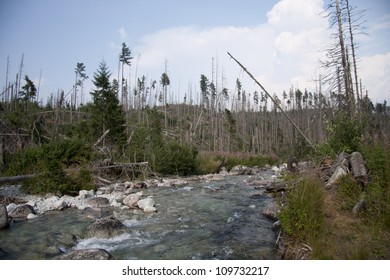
(276, 103)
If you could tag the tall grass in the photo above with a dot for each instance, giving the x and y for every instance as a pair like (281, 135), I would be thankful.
(303, 216)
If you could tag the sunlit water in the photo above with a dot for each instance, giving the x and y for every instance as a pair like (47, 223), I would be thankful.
(203, 220)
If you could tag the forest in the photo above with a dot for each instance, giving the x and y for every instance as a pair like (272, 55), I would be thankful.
(210, 127)
(130, 131)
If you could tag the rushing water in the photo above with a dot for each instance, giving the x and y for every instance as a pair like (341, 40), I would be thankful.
(203, 220)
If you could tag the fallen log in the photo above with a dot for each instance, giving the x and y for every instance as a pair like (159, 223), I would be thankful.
(18, 178)
(358, 167)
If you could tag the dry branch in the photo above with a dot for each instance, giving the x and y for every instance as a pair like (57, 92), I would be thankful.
(101, 138)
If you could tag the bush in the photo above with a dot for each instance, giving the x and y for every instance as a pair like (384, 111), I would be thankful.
(303, 216)
(55, 180)
(207, 164)
(39, 158)
(49, 160)
(176, 159)
(345, 133)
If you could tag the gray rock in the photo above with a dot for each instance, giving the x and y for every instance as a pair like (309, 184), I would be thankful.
(87, 254)
(60, 204)
(145, 202)
(98, 201)
(85, 194)
(105, 228)
(150, 209)
(3, 216)
(241, 170)
(62, 238)
(223, 171)
(21, 212)
(31, 216)
(272, 210)
(132, 199)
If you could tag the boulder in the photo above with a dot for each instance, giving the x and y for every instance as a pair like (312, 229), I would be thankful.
(85, 194)
(98, 201)
(31, 216)
(105, 228)
(145, 202)
(86, 254)
(11, 207)
(223, 171)
(150, 209)
(21, 212)
(3, 216)
(60, 241)
(132, 199)
(272, 210)
(60, 204)
(240, 170)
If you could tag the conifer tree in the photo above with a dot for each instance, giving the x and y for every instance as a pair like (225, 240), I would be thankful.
(106, 111)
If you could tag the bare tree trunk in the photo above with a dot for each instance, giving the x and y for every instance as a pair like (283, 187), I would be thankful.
(344, 61)
(353, 57)
(276, 103)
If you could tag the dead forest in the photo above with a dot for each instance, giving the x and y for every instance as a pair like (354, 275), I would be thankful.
(142, 122)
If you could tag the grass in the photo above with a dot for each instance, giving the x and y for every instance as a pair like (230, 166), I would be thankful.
(319, 223)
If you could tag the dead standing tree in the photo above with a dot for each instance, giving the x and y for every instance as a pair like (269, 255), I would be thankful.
(276, 103)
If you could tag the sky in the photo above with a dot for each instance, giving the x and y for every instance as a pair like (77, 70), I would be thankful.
(280, 42)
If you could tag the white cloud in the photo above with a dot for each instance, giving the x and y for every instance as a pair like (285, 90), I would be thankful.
(375, 73)
(284, 51)
(123, 33)
(295, 15)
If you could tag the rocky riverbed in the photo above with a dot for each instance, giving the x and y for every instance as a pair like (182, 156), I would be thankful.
(121, 214)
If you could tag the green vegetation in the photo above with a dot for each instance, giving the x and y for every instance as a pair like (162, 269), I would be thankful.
(323, 218)
(303, 217)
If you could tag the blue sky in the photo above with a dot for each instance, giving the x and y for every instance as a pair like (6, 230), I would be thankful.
(279, 41)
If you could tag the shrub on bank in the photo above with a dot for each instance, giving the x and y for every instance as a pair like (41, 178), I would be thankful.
(209, 162)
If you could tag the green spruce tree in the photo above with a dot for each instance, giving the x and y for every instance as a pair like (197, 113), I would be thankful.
(106, 112)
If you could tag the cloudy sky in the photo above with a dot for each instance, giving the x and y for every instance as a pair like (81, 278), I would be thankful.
(280, 42)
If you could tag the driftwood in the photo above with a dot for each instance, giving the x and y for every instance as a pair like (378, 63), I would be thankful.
(19, 178)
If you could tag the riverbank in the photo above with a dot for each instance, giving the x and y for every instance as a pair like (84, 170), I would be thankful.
(338, 209)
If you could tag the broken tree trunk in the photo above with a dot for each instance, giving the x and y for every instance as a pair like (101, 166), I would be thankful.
(358, 167)
(276, 104)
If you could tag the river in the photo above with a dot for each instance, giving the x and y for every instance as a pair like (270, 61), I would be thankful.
(201, 220)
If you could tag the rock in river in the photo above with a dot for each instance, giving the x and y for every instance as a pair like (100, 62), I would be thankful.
(98, 201)
(3, 216)
(21, 212)
(105, 228)
(86, 254)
